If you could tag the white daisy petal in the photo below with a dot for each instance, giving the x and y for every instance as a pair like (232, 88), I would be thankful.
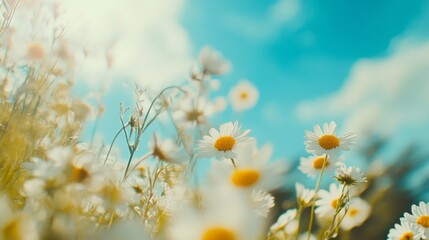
(327, 142)
(222, 144)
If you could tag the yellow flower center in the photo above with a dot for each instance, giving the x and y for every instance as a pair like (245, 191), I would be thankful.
(36, 50)
(224, 143)
(218, 233)
(141, 170)
(353, 212)
(407, 236)
(244, 95)
(112, 193)
(193, 115)
(329, 142)
(138, 189)
(335, 202)
(157, 152)
(318, 162)
(245, 177)
(79, 174)
(424, 221)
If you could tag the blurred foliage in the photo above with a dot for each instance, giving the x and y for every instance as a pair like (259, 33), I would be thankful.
(25, 123)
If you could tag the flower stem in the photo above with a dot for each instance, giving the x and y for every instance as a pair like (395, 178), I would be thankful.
(300, 210)
(344, 199)
(313, 205)
(233, 163)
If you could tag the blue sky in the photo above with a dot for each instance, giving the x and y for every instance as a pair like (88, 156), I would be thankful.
(306, 56)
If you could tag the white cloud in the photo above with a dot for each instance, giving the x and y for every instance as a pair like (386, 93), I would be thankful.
(284, 14)
(148, 44)
(383, 95)
(284, 11)
(143, 39)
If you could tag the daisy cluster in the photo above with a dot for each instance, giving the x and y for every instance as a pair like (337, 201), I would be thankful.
(412, 226)
(338, 208)
(54, 184)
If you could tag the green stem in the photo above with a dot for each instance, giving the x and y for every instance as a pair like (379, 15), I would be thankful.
(300, 210)
(345, 235)
(344, 199)
(233, 163)
(313, 205)
(153, 102)
(113, 141)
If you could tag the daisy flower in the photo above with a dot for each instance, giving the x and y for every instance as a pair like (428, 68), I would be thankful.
(404, 231)
(225, 216)
(16, 225)
(25, 48)
(167, 151)
(359, 211)
(243, 96)
(252, 170)
(262, 201)
(175, 198)
(328, 201)
(327, 142)
(114, 196)
(311, 166)
(304, 196)
(284, 220)
(213, 62)
(223, 143)
(349, 176)
(220, 104)
(64, 168)
(420, 217)
(193, 112)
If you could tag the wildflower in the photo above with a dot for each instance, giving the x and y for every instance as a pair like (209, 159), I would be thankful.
(225, 216)
(304, 196)
(328, 201)
(36, 50)
(28, 49)
(213, 62)
(175, 198)
(193, 112)
(350, 176)
(419, 216)
(15, 225)
(359, 211)
(220, 104)
(137, 183)
(327, 142)
(167, 151)
(311, 166)
(263, 202)
(223, 143)
(112, 196)
(284, 220)
(65, 167)
(243, 96)
(404, 231)
(252, 170)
